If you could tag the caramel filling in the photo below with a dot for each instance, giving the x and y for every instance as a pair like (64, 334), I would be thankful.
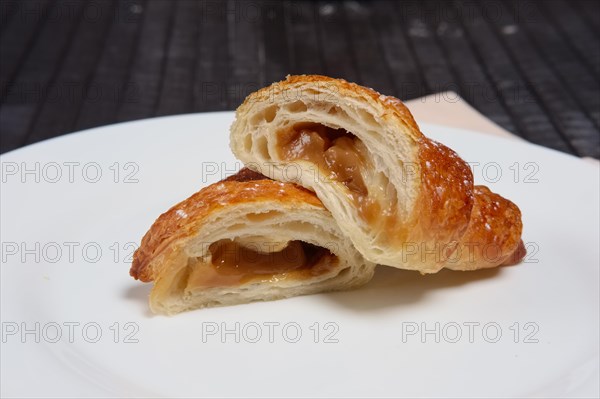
(341, 156)
(234, 264)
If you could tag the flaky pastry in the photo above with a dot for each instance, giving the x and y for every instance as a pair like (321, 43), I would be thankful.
(244, 239)
(403, 200)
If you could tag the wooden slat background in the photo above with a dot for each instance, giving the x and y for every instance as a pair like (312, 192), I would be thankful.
(531, 66)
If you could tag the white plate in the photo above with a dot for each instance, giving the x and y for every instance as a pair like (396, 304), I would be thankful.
(538, 322)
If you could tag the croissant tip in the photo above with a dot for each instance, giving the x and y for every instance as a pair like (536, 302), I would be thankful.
(517, 256)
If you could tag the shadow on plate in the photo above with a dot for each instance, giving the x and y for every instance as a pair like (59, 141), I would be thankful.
(139, 293)
(392, 287)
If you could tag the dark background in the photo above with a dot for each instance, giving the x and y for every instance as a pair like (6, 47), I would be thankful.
(531, 66)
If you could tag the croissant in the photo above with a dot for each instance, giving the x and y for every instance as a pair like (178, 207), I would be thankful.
(403, 200)
(244, 239)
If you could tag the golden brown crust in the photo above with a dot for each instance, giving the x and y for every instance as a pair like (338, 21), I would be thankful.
(446, 198)
(183, 219)
(493, 236)
(517, 256)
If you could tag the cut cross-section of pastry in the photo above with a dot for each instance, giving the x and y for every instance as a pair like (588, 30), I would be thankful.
(403, 199)
(244, 239)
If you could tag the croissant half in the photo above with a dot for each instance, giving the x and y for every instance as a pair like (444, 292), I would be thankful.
(244, 239)
(404, 200)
